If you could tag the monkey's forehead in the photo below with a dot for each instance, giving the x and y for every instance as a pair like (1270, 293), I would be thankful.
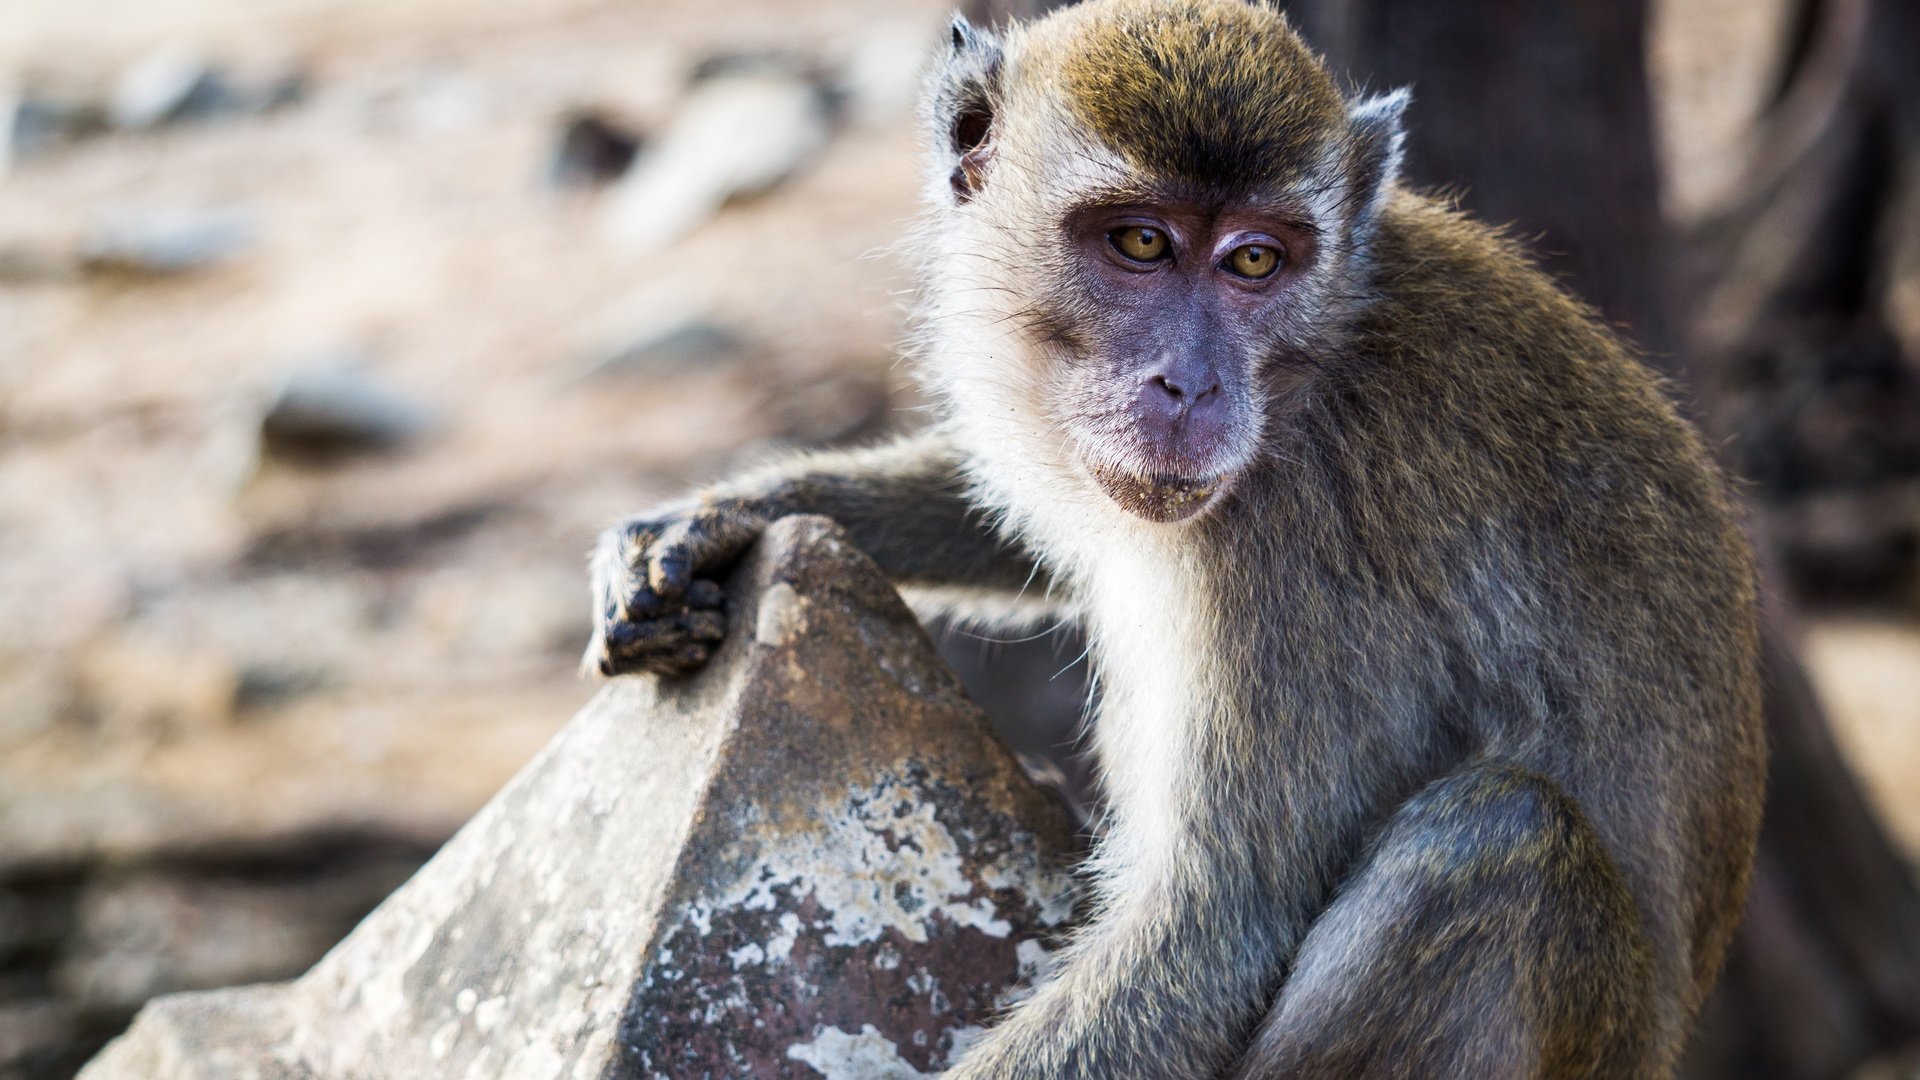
(1221, 93)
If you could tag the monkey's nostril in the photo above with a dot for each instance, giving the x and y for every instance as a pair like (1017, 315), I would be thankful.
(1169, 387)
(1181, 392)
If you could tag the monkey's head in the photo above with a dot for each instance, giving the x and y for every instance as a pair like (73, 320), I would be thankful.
(1149, 217)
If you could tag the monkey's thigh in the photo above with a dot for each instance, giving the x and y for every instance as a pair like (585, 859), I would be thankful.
(1486, 934)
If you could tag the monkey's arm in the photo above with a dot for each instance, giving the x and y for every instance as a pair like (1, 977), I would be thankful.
(656, 607)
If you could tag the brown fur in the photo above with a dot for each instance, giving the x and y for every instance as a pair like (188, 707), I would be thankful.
(1432, 740)
(1183, 89)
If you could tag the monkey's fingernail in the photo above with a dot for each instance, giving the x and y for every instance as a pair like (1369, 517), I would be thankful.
(705, 593)
(705, 625)
(669, 574)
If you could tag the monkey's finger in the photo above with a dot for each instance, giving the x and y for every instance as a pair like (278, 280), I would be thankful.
(644, 603)
(625, 659)
(671, 562)
(678, 661)
(665, 635)
(676, 658)
(632, 539)
(705, 593)
(619, 570)
(706, 625)
(641, 602)
(634, 639)
(705, 540)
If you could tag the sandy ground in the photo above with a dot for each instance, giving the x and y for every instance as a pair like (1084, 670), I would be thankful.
(402, 214)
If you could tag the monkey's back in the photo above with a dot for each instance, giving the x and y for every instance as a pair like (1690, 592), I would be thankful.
(1612, 643)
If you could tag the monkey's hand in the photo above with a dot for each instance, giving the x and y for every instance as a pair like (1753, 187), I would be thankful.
(657, 605)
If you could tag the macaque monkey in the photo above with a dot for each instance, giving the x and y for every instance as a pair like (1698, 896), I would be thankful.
(1429, 725)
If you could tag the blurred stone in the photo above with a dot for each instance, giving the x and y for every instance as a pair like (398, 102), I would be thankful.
(833, 411)
(30, 265)
(83, 943)
(168, 84)
(133, 684)
(136, 936)
(278, 92)
(36, 692)
(882, 76)
(446, 103)
(592, 150)
(44, 1039)
(265, 685)
(331, 409)
(744, 127)
(813, 853)
(785, 63)
(166, 243)
(682, 343)
(31, 124)
(511, 617)
(175, 83)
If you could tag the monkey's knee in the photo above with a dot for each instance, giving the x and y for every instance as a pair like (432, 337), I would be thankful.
(1487, 934)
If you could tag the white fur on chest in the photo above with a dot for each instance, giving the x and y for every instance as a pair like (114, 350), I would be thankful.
(1130, 580)
(1143, 621)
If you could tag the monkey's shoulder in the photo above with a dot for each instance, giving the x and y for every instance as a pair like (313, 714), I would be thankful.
(1504, 384)
(1462, 323)
(1443, 281)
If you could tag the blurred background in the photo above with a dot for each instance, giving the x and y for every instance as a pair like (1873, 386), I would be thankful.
(332, 330)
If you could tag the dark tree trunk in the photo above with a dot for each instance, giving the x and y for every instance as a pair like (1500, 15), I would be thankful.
(1810, 327)
(1811, 312)
(1538, 115)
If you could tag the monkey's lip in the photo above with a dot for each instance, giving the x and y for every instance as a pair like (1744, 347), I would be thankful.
(1158, 497)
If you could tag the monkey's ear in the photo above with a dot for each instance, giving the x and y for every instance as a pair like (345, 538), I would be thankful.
(961, 99)
(1376, 141)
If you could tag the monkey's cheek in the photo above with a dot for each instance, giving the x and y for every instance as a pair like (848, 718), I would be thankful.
(1159, 499)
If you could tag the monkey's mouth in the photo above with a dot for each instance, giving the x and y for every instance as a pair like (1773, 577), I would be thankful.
(1158, 497)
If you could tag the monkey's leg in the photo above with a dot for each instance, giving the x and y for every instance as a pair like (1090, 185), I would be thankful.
(904, 504)
(1488, 934)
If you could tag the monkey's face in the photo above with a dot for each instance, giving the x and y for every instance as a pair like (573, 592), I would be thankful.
(1146, 214)
(1163, 326)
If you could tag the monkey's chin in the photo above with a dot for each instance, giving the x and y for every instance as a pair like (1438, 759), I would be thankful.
(1158, 498)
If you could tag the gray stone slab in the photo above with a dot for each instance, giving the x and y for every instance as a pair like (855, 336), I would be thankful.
(811, 859)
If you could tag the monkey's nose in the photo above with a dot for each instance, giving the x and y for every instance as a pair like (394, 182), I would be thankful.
(1185, 390)
(1182, 413)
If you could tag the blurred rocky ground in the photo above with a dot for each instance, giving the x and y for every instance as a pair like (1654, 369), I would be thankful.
(330, 332)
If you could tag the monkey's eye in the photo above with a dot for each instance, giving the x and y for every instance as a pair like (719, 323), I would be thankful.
(1140, 243)
(1254, 261)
